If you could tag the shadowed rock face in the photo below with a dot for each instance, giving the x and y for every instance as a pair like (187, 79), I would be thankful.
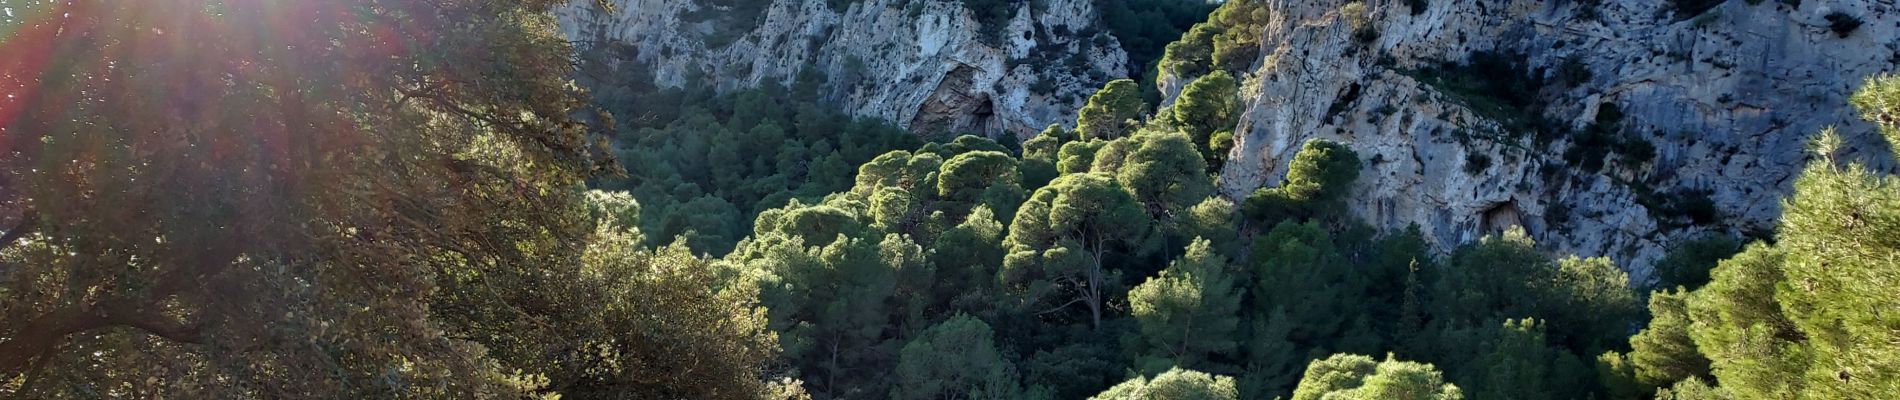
(956, 106)
(1726, 99)
(926, 64)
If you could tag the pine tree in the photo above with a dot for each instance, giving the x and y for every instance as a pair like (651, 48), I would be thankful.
(1688, 265)
(1078, 156)
(1754, 349)
(1802, 319)
(1518, 366)
(1062, 241)
(830, 282)
(1586, 302)
(1357, 377)
(1663, 353)
(1594, 305)
(1210, 104)
(1190, 313)
(1411, 311)
(1319, 176)
(1693, 389)
(1213, 219)
(1273, 360)
(1176, 384)
(1039, 156)
(1111, 112)
(955, 359)
(986, 177)
(1165, 173)
(968, 257)
(1297, 269)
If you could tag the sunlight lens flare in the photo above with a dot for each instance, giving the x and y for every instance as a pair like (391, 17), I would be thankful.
(27, 35)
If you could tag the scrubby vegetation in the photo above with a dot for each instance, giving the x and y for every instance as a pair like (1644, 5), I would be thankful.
(729, 20)
(1229, 40)
(703, 165)
(1843, 24)
(1499, 87)
(1686, 9)
(1145, 27)
(1688, 264)
(1605, 138)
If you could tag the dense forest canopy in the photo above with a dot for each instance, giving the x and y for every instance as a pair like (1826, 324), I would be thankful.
(392, 199)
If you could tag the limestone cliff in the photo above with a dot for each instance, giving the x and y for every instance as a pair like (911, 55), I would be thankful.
(929, 65)
(1726, 98)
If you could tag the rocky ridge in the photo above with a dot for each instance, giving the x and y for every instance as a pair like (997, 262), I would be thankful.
(928, 65)
(1726, 99)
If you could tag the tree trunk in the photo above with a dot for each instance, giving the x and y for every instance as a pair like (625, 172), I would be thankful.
(44, 334)
(1095, 284)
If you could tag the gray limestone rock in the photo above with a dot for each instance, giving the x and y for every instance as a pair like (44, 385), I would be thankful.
(1727, 99)
(925, 64)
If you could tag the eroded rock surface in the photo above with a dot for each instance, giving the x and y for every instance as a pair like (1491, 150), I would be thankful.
(1726, 98)
(928, 65)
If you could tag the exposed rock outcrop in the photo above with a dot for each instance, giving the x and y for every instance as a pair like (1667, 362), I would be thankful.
(926, 64)
(1726, 99)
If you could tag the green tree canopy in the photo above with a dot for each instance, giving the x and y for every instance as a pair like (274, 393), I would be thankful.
(1693, 389)
(1754, 349)
(1164, 172)
(1297, 269)
(1688, 265)
(1319, 176)
(636, 322)
(1111, 112)
(1210, 104)
(198, 210)
(987, 177)
(1663, 353)
(1078, 156)
(968, 257)
(1176, 384)
(1586, 302)
(1520, 365)
(1213, 219)
(831, 285)
(1190, 312)
(1061, 240)
(1040, 155)
(1801, 319)
(705, 163)
(1879, 101)
(955, 359)
(1356, 377)
(1228, 41)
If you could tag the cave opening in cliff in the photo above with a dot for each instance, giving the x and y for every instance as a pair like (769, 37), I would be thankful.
(1500, 217)
(983, 118)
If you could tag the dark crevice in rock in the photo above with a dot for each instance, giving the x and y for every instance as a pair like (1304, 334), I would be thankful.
(957, 107)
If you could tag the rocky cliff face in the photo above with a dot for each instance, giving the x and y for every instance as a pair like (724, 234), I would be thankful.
(1726, 99)
(927, 65)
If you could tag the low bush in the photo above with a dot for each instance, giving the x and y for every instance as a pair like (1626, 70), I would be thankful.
(1689, 8)
(1843, 24)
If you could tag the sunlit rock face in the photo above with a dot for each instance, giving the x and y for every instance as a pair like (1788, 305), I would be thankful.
(1726, 99)
(927, 65)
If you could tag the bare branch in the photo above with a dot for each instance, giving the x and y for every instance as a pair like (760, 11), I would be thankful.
(1060, 307)
(42, 336)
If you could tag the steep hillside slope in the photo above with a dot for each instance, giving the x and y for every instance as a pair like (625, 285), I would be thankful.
(932, 66)
(1604, 127)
